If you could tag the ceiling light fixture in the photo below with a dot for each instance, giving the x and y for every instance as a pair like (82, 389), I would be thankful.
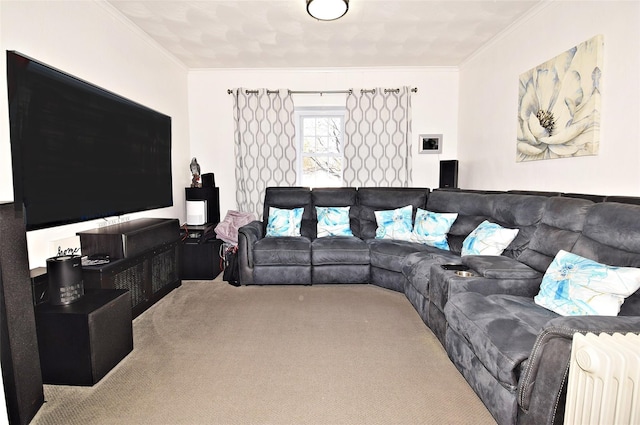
(327, 10)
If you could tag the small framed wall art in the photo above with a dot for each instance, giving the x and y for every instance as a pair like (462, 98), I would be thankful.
(430, 143)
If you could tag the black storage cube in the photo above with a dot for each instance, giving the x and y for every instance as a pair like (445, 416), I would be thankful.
(80, 343)
(201, 260)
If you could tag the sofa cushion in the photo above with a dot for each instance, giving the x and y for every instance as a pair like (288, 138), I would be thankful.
(500, 329)
(611, 235)
(574, 285)
(339, 197)
(559, 228)
(334, 196)
(333, 250)
(522, 212)
(283, 251)
(390, 255)
(472, 209)
(290, 198)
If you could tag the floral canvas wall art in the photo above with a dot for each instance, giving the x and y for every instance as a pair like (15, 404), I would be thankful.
(559, 105)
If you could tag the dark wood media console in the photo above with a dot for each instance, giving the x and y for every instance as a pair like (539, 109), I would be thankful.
(145, 259)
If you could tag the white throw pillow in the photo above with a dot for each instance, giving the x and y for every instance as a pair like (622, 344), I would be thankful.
(394, 224)
(284, 222)
(488, 239)
(333, 221)
(431, 228)
(574, 285)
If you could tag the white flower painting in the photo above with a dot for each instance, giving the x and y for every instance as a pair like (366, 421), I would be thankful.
(559, 105)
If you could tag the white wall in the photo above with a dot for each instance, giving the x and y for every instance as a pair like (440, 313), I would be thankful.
(91, 41)
(489, 96)
(435, 108)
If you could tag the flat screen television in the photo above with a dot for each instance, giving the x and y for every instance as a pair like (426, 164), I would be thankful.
(80, 152)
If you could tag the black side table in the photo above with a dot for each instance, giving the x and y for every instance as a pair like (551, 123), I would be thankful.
(80, 343)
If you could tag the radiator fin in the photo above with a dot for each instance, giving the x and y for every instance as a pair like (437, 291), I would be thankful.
(604, 379)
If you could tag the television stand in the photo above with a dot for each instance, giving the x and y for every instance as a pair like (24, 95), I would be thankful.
(145, 259)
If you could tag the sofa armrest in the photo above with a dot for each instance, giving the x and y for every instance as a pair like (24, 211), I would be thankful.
(248, 235)
(499, 267)
(542, 386)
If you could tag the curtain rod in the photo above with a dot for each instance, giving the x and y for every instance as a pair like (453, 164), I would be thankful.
(321, 92)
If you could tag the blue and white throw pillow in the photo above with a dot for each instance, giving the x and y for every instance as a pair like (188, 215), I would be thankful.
(574, 285)
(394, 224)
(488, 239)
(284, 222)
(431, 228)
(333, 221)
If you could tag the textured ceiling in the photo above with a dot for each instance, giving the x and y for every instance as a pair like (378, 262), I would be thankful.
(280, 34)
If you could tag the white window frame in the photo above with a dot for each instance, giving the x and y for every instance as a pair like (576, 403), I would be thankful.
(317, 112)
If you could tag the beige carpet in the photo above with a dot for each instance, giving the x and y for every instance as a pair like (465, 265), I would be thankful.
(210, 353)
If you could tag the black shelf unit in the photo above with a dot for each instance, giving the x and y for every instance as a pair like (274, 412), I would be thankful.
(200, 248)
(209, 194)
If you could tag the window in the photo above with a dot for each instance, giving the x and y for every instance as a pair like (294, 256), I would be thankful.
(320, 141)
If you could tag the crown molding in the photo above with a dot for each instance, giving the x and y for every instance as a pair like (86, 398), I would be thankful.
(116, 14)
(507, 31)
(332, 70)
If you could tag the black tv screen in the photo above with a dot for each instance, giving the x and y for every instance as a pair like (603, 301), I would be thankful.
(80, 152)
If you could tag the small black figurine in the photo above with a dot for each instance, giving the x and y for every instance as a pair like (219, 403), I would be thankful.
(195, 172)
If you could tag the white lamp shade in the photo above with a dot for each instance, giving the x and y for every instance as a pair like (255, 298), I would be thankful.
(327, 10)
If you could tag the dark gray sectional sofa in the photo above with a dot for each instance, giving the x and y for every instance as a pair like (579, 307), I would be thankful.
(513, 352)
(308, 260)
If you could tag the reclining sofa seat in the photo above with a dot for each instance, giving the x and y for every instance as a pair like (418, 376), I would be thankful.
(387, 255)
(281, 260)
(510, 210)
(514, 353)
(339, 259)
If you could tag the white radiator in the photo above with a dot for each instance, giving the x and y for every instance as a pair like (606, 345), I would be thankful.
(604, 380)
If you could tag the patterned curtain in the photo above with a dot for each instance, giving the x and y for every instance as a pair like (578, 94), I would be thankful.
(265, 145)
(377, 146)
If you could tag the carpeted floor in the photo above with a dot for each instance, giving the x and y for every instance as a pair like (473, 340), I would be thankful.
(210, 353)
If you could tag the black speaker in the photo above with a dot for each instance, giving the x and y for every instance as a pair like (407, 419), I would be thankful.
(449, 174)
(208, 180)
(65, 279)
(18, 339)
